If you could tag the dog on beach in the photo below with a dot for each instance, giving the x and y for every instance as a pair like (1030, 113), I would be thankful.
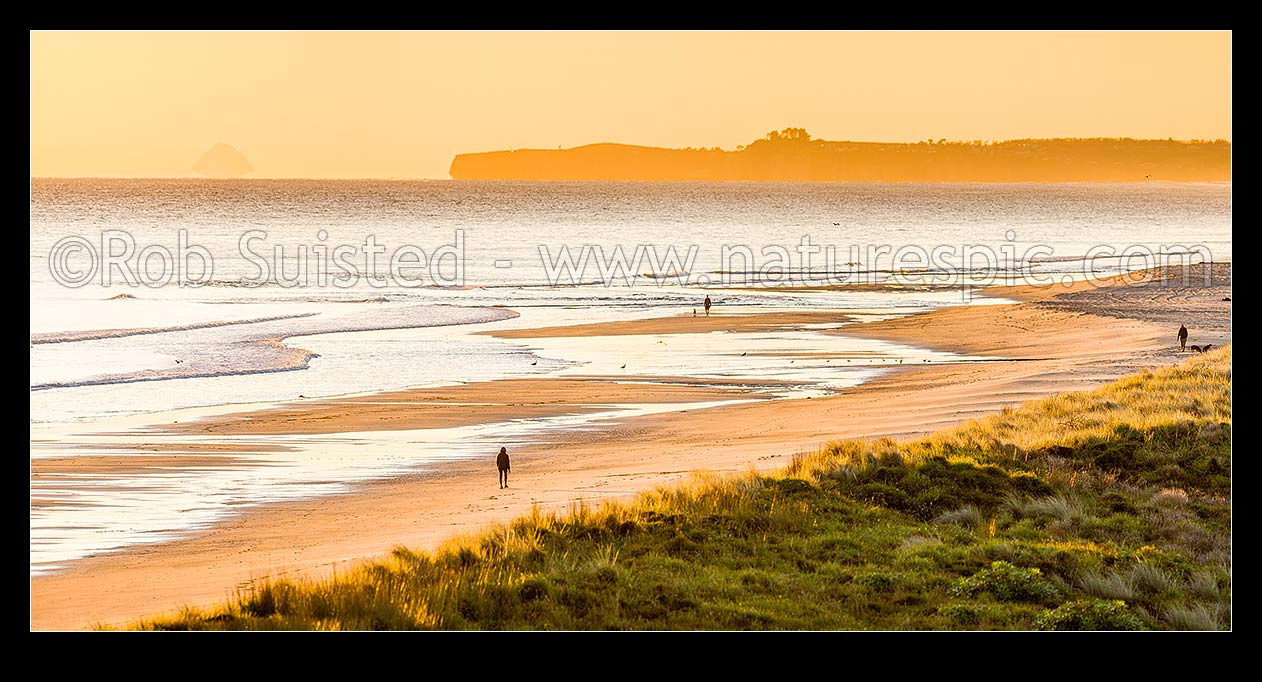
(1203, 349)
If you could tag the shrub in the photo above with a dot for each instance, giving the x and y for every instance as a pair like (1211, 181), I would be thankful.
(1117, 502)
(964, 614)
(978, 615)
(533, 589)
(1089, 614)
(1006, 582)
(876, 582)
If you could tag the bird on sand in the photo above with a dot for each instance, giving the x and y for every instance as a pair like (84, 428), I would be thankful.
(534, 363)
(623, 367)
(743, 354)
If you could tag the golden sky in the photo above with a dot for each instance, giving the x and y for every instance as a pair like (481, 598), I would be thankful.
(401, 105)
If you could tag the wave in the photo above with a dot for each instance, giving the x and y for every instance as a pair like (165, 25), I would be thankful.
(263, 350)
(819, 272)
(539, 285)
(254, 300)
(327, 299)
(273, 283)
(269, 283)
(302, 359)
(97, 334)
(1107, 256)
(232, 283)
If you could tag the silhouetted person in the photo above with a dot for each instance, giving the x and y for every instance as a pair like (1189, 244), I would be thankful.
(501, 463)
(1183, 338)
(707, 306)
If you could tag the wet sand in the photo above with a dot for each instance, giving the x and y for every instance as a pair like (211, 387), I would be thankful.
(719, 319)
(451, 406)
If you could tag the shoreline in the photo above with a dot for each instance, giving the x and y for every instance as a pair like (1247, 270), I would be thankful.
(1043, 345)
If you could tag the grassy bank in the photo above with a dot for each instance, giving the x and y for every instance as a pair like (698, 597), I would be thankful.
(1108, 509)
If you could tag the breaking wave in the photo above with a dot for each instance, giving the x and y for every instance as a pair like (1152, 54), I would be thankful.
(258, 346)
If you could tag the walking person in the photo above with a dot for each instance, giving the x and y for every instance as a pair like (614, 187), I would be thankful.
(501, 463)
(1183, 338)
(707, 305)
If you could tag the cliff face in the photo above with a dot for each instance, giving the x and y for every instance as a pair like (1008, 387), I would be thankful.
(780, 159)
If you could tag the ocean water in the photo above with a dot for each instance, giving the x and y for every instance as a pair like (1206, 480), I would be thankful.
(178, 322)
(148, 296)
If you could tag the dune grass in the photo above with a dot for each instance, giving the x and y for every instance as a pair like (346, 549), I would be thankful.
(1108, 509)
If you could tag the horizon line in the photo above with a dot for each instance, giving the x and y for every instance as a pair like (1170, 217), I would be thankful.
(450, 179)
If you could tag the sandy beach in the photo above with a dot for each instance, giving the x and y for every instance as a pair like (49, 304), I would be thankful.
(1055, 339)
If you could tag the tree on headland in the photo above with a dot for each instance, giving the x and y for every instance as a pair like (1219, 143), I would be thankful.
(796, 139)
(788, 135)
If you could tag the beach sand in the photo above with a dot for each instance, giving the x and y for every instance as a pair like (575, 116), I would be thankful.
(1051, 341)
(451, 406)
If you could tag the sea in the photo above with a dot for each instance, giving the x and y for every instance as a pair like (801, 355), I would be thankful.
(153, 300)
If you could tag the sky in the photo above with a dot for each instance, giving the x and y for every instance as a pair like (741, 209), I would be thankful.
(402, 104)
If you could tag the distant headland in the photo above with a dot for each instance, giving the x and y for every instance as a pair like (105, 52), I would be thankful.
(791, 155)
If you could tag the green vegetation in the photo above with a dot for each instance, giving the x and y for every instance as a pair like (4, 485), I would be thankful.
(1091, 614)
(1107, 509)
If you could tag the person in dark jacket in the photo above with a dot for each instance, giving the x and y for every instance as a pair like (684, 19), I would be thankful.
(501, 462)
(1183, 338)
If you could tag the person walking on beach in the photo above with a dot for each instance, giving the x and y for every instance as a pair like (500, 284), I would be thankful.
(1183, 338)
(501, 462)
(707, 305)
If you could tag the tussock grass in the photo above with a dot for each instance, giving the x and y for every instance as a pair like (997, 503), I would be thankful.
(1111, 586)
(1107, 509)
(1056, 507)
(1195, 617)
(967, 516)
